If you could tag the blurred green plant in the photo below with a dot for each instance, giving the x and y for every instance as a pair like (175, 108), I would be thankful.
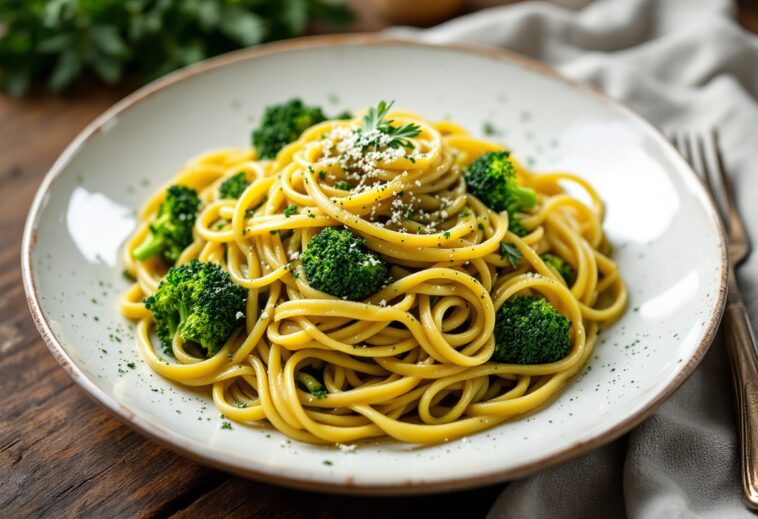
(59, 40)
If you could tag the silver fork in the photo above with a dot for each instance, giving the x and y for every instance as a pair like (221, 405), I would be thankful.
(704, 154)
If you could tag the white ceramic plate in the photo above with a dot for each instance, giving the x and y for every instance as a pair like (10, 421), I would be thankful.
(657, 214)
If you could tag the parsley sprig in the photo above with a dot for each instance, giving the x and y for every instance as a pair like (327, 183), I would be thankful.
(61, 40)
(510, 252)
(375, 121)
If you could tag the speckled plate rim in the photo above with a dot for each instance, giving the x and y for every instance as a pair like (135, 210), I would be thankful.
(169, 439)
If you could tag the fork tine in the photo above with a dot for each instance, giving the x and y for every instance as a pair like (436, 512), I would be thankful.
(700, 162)
(692, 150)
(678, 142)
(684, 146)
(712, 179)
(683, 143)
(735, 225)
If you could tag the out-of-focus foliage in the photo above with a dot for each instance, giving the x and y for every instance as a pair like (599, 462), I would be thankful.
(58, 40)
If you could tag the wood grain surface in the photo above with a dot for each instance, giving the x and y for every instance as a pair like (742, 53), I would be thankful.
(63, 455)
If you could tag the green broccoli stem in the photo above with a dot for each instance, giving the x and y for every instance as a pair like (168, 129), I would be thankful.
(309, 382)
(184, 312)
(151, 246)
(526, 197)
(172, 325)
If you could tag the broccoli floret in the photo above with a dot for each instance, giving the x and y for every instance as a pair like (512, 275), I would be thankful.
(171, 232)
(311, 384)
(564, 269)
(282, 124)
(337, 262)
(234, 186)
(199, 302)
(492, 179)
(529, 330)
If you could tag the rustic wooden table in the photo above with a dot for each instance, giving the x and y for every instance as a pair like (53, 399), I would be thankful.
(61, 454)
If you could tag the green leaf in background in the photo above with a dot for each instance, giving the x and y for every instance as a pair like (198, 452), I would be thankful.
(208, 14)
(334, 11)
(55, 44)
(243, 27)
(108, 40)
(17, 81)
(295, 15)
(59, 40)
(67, 68)
(107, 68)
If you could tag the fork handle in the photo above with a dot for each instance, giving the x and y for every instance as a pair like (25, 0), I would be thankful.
(740, 343)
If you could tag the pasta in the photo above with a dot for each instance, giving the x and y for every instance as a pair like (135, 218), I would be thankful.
(413, 360)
